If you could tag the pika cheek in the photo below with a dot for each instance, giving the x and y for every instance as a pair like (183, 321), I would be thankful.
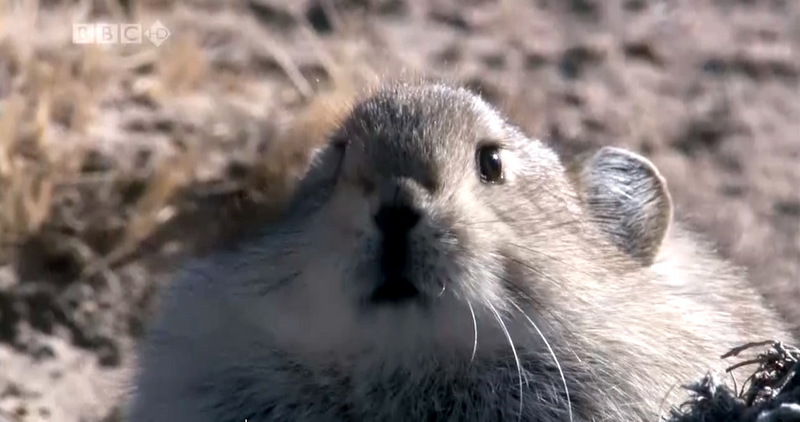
(350, 213)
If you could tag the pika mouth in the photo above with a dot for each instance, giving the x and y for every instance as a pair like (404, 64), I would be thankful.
(394, 291)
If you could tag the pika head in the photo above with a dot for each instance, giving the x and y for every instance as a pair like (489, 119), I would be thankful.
(428, 217)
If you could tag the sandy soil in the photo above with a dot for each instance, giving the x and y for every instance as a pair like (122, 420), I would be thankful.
(119, 161)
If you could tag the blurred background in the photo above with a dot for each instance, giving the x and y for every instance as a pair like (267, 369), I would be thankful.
(126, 149)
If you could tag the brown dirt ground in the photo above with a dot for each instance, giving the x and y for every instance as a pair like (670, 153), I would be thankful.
(118, 161)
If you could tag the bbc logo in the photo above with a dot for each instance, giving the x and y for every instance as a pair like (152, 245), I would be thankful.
(118, 33)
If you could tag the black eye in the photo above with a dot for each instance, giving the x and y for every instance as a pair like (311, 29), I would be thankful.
(489, 164)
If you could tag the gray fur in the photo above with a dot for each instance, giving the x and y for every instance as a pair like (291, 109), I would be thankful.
(629, 200)
(277, 328)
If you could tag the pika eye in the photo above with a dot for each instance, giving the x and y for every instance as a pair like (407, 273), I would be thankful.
(489, 164)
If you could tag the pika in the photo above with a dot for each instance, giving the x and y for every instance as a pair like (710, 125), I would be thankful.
(438, 264)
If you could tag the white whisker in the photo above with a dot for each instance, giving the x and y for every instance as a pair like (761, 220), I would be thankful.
(514, 351)
(475, 327)
(552, 353)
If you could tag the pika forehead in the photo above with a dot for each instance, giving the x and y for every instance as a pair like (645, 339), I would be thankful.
(418, 132)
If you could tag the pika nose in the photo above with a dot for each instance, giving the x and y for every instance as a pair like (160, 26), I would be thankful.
(396, 219)
(398, 211)
(396, 216)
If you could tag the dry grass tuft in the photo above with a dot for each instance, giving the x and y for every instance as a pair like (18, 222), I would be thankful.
(770, 394)
(43, 116)
(56, 109)
(182, 66)
(25, 188)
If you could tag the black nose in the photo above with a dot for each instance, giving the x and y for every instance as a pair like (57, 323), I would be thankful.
(396, 220)
(395, 223)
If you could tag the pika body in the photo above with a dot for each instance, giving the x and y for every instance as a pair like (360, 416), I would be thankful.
(436, 263)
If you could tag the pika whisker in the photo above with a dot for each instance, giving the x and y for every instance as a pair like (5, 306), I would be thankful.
(475, 329)
(552, 353)
(514, 351)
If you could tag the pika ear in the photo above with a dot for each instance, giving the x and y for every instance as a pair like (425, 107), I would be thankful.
(628, 198)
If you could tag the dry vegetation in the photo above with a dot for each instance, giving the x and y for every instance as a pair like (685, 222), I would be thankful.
(770, 394)
(118, 161)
